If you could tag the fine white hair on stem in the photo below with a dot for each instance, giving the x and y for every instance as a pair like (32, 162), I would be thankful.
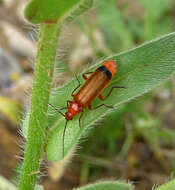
(64, 44)
(19, 157)
(31, 60)
(154, 186)
(22, 139)
(21, 142)
(33, 31)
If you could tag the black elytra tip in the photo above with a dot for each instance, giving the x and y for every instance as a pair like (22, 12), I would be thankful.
(106, 71)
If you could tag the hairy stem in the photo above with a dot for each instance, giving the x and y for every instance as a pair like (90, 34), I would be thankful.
(43, 73)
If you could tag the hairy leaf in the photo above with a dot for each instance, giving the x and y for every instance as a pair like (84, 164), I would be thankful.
(167, 186)
(139, 70)
(110, 185)
(38, 11)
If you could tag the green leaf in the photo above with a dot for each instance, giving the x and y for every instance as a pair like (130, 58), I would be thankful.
(39, 11)
(112, 24)
(109, 185)
(167, 186)
(154, 17)
(139, 70)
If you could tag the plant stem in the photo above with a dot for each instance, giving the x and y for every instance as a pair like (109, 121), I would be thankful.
(43, 73)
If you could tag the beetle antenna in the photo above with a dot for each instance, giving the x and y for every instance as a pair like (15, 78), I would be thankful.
(58, 110)
(64, 135)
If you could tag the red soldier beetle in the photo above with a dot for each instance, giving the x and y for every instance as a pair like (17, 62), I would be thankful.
(92, 88)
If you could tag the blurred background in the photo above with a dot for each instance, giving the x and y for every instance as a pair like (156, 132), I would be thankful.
(136, 142)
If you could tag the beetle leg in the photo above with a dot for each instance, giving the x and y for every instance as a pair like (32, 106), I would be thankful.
(101, 97)
(64, 132)
(103, 105)
(109, 93)
(58, 110)
(68, 103)
(79, 120)
(84, 75)
(79, 84)
(89, 106)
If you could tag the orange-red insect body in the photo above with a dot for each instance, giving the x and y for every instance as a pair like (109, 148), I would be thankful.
(92, 88)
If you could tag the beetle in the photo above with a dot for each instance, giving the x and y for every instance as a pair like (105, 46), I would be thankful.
(92, 88)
